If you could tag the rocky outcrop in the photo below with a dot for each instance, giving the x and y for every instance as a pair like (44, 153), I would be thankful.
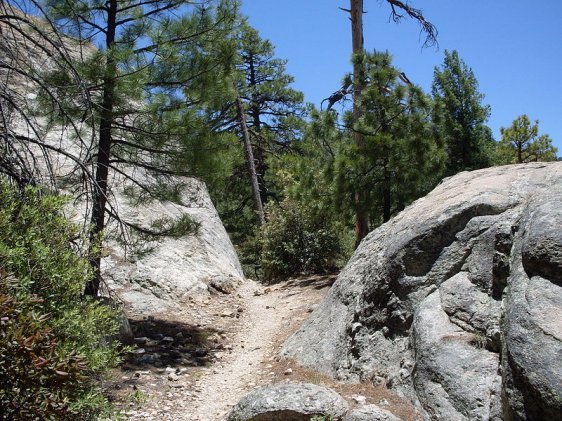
(456, 303)
(289, 402)
(154, 274)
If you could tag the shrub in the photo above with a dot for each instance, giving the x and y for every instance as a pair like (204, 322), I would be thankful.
(52, 352)
(299, 239)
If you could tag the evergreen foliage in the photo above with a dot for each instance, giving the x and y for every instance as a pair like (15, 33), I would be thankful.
(460, 116)
(53, 349)
(521, 143)
(398, 159)
(273, 115)
(299, 239)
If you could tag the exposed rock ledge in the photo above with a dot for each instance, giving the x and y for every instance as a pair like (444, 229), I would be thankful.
(456, 302)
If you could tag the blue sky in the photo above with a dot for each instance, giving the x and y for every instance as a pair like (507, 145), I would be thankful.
(514, 48)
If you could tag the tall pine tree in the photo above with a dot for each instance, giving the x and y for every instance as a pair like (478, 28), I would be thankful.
(460, 116)
(265, 115)
(132, 37)
(398, 160)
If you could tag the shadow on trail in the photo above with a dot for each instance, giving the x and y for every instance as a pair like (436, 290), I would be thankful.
(161, 343)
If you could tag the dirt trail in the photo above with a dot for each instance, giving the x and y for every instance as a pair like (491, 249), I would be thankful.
(248, 327)
(196, 364)
(267, 319)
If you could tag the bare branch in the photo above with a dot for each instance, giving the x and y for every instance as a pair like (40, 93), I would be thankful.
(426, 27)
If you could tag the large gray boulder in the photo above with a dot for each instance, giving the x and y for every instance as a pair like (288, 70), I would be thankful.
(289, 402)
(456, 303)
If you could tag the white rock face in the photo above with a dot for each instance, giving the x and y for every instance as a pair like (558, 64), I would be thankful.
(173, 268)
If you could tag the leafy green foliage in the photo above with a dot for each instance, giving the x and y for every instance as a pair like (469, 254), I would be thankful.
(460, 116)
(273, 114)
(521, 142)
(398, 159)
(51, 338)
(297, 239)
(36, 380)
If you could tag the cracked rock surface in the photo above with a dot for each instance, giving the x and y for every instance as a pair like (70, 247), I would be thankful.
(455, 303)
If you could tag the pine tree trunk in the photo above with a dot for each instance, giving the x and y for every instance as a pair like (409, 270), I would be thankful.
(386, 197)
(261, 167)
(250, 161)
(104, 151)
(361, 214)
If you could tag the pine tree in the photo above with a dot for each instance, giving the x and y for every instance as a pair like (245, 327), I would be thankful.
(521, 143)
(274, 109)
(130, 94)
(398, 160)
(257, 86)
(460, 116)
(399, 8)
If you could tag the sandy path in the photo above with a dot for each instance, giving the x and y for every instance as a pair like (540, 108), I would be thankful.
(265, 317)
(261, 318)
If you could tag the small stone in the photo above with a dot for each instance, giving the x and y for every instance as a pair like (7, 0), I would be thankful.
(200, 352)
(141, 341)
(173, 377)
(378, 381)
(288, 372)
(359, 399)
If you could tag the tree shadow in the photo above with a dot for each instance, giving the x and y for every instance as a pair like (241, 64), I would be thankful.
(163, 343)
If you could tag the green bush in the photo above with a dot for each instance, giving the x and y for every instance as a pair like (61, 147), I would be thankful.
(52, 348)
(299, 240)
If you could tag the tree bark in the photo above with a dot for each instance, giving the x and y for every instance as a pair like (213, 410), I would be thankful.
(258, 207)
(104, 150)
(254, 111)
(386, 197)
(361, 214)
